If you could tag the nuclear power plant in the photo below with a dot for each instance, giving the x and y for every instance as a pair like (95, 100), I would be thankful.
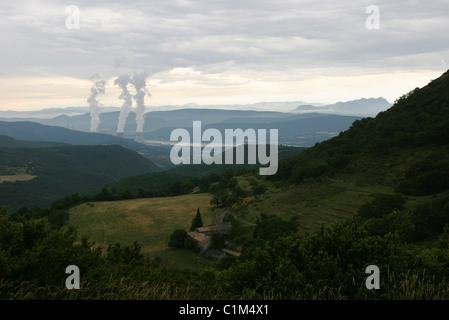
(138, 80)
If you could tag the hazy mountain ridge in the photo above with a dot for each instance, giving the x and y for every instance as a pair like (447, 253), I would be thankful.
(167, 118)
(362, 107)
(159, 124)
(296, 132)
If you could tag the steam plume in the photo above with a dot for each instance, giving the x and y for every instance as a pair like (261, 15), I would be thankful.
(139, 81)
(94, 106)
(123, 82)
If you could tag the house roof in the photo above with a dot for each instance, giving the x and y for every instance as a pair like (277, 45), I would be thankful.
(219, 227)
(200, 237)
(207, 229)
(231, 252)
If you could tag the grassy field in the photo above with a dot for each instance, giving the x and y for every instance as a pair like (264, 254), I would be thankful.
(16, 177)
(149, 221)
(184, 259)
(313, 203)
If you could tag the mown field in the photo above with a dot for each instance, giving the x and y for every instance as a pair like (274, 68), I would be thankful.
(148, 221)
(16, 177)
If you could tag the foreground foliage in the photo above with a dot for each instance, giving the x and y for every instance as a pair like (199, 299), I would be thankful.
(327, 265)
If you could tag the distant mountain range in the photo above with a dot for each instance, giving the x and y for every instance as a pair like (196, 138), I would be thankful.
(49, 112)
(300, 127)
(53, 112)
(294, 129)
(362, 107)
(297, 129)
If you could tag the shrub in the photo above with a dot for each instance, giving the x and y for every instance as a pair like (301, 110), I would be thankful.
(177, 239)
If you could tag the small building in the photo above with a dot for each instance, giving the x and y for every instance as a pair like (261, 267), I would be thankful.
(207, 230)
(203, 241)
(203, 235)
(222, 228)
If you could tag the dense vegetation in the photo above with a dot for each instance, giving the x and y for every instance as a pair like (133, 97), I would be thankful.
(330, 264)
(415, 125)
(61, 171)
(9, 142)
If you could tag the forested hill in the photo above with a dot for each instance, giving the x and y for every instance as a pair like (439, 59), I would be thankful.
(406, 146)
(38, 176)
(9, 142)
(31, 131)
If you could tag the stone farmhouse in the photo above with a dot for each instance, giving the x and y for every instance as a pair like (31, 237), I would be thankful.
(203, 235)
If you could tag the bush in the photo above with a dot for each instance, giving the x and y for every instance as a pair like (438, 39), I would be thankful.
(190, 244)
(177, 239)
(334, 259)
(259, 189)
(382, 205)
(270, 227)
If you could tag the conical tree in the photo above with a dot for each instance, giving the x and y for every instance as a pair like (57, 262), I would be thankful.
(197, 222)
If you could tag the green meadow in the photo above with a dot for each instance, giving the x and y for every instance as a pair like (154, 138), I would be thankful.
(148, 221)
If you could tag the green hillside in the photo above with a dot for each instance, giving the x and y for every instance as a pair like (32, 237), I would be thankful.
(9, 142)
(63, 171)
(402, 151)
(383, 148)
(198, 170)
(33, 134)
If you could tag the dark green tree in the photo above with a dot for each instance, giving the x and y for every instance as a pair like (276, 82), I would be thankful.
(215, 200)
(382, 205)
(58, 218)
(177, 239)
(197, 222)
(270, 227)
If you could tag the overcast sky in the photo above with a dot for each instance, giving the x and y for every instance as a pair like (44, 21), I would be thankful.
(219, 51)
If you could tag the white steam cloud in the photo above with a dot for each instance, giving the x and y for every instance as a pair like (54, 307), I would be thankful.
(139, 81)
(123, 82)
(98, 87)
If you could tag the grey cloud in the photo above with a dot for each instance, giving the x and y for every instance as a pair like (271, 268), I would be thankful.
(271, 35)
